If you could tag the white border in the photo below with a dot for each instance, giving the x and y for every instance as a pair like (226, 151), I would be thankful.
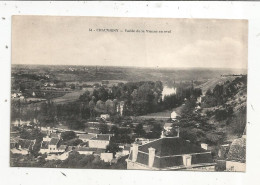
(227, 10)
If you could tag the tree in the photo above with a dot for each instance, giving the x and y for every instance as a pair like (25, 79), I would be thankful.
(100, 106)
(112, 148)
(76, 124)
(110, 107)
(139, 130)
(114, 130)
(103, 128)
(156, 130)
(73, 142)
(68, 135)
(189, 106)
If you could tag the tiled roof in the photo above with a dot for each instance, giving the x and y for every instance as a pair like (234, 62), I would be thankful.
(169, 153)
(54, 135)
(237, 151)
(86, 149)
(92, 130)
(171, 146)
(86, 136)
(62, 147)
(54, 141)
(45, 145)
(103, 137)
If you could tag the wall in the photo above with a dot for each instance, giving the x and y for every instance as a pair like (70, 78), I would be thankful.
(98, 144)
(204, 168)
(237, 166)
(137, 166)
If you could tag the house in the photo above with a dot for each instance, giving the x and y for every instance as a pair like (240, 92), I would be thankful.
(92, 130)
(100, 141)
(236, 158)
(170, 153)
(167, 127)
(44, 147)
(174, 115)
(106, 157)
(23, 146)
(62, 156)
(147, 128)
(85, 150)
(62, 148)
(199, 99)
(86, 137)
(125, 150)
(53, 145)
(105, 116)
(142, 141)
(55, 135)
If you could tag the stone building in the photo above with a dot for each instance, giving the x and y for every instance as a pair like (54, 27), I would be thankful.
(170, 153)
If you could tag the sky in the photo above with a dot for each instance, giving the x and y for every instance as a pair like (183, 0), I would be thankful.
(186, 43)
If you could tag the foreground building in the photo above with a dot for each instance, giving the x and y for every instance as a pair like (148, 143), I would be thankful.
(170, 153)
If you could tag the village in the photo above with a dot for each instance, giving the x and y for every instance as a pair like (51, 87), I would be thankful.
(167, 152)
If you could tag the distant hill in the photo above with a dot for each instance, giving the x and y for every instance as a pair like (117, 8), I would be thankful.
(98, 73)
(211, 83)
(226, 105)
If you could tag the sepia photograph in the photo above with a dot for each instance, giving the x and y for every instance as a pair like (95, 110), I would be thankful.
(129, 93)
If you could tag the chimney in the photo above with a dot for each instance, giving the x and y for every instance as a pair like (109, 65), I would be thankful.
(151, 156)
(204, 146)
(134, 152)
(178, 131)
(162, 134)
(186, 160)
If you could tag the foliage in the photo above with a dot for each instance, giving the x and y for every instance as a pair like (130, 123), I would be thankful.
(139, 130)
(112, 147)
(103, 128)
(68, 135)
(155, 131)
(73, 142)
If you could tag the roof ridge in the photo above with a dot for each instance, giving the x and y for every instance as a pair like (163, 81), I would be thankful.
(158, 140)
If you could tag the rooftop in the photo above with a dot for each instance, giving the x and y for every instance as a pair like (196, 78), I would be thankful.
(86, 136)
(62, 147)
(171, 146)
(54, 141)
(54, 135)
(45, 145)
(105, 137)
(169, 153)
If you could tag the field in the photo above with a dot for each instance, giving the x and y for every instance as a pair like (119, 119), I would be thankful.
(70, 97)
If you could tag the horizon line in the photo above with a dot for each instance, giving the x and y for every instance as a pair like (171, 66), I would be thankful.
(158, 67)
